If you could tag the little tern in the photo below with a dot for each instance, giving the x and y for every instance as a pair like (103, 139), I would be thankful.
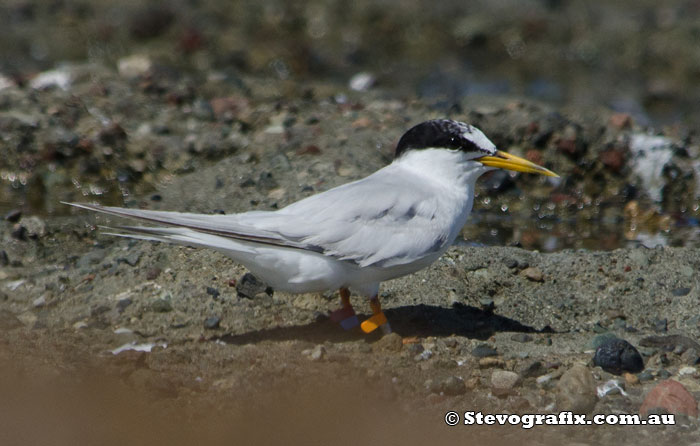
(396, 221)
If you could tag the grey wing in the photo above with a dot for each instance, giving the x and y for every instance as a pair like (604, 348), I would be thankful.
(382, 220)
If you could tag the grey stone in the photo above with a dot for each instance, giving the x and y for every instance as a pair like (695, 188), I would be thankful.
(576, 390)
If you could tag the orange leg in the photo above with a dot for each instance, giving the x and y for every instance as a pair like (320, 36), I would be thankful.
(378, 318)
(346, 315)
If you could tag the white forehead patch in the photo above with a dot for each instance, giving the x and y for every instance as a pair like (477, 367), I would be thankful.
(477, 137)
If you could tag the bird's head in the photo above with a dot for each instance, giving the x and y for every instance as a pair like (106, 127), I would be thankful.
(466, 139)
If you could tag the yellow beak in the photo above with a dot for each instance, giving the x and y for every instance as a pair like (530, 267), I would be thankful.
(504, 160)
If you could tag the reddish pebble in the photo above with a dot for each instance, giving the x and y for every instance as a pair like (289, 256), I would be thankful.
(628, 268)
(232, 283)
(309, 150)
(613, 159)
(620, 120)
(671, 396)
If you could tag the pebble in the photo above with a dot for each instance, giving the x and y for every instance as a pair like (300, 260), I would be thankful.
(39, 301)
(4, 258)
(123, 303)
(391, 343)
(678, 292)
(690, 356)
(249, 285)
(134, 66)
(601, 339)
(161, 306)
(132, 259)
(533, 274)
(576, 390)
(688, 371)
(630, 379)
(617, 356)
(510, 263)
(484, 350)
(212, 322)
(530, 369)
(13, 215)
(490, 362)
(315, 354)
(451, 385)
(645, 376)
(672, 397)
(362, 81)
(543, 380)
(213, 292)
(34, 227)
(504, 379)
(153, 273)
(521, 337)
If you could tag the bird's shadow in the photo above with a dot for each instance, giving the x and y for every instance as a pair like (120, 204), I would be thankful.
(416, 320)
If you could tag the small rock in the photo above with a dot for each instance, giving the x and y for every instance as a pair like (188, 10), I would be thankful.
(484, 350)
(123, 303)
(424, 356)
(132, 259)
(521, 337)
(134, 66)
(678, 292)
(645, 376)
(153, 273)
(617, 356)
(490, 362)
(34, 227)
(39, 301)
(690, 356)
(212, 322)
(315, 354)
(391, 342)
(576, 390)
(452, 385)
(213, 292)
(4, 259)
(543, 380)
(510, 263)
(660, 325)
(530, 369)
(630, 379)
(601, 339)
(13, 215)
(533, 274)
(687, 371)
(249, 285)
(672, 397)
(161, 306)
(362, 81)
(663, 374)
(504, 379)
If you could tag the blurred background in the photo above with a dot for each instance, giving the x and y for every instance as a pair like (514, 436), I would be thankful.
(102, 96)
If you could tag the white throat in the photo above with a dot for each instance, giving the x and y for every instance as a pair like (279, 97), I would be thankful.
(452, 167)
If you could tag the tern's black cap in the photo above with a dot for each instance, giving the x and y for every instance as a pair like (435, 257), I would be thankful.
(440, 133)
